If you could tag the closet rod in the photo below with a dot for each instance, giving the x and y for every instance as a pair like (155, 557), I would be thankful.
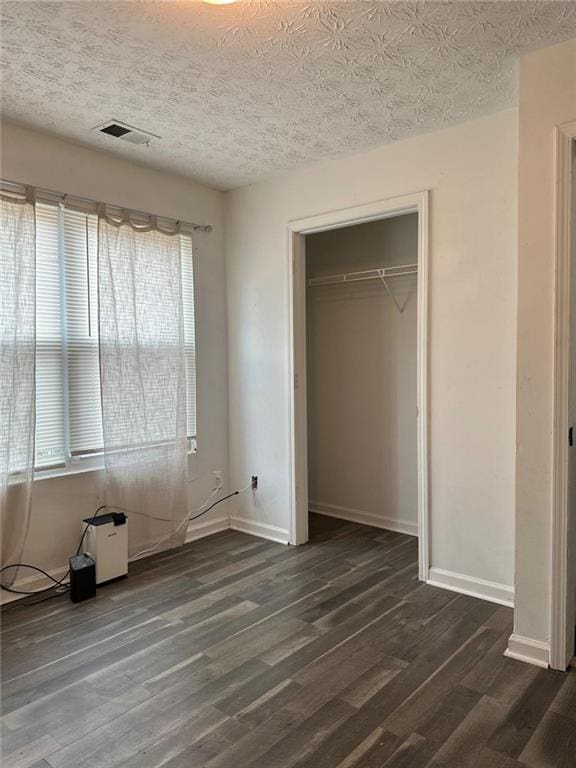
(369, 274)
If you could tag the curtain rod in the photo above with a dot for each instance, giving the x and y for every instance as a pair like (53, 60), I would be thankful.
(93, 206)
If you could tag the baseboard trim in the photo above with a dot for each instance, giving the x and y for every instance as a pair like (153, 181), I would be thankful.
(530, 651)
(491, 591)
(200, 530)
(262, 530)
(364, 518)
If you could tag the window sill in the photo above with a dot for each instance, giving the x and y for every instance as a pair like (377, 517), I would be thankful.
(86, 464)
(89, 464)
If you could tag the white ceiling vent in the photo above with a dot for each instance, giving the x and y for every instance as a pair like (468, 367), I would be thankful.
(118, 130)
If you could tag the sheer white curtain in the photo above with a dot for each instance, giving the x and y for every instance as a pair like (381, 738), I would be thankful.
(142, 370)
(17, 362)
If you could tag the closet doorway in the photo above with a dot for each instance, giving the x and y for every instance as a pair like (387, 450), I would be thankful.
(359, 419)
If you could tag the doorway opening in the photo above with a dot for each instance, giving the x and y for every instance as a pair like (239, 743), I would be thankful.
(361, 372)
(359, 423)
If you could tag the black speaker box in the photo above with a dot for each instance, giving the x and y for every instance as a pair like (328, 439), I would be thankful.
(82, 578)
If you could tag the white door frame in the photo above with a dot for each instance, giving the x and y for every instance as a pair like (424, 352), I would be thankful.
(562, 603)
(382, 209)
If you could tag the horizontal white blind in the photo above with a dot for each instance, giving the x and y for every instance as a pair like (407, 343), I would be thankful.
(80, 233)
(189, 332)
(50, 443)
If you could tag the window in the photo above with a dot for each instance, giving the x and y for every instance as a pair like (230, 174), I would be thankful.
(68, 410)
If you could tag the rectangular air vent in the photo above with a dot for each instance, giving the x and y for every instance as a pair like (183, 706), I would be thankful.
(118, 130)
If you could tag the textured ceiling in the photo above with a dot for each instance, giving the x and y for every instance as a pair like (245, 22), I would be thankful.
(240, 91)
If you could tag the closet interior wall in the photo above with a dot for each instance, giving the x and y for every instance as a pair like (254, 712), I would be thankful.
(361, 376)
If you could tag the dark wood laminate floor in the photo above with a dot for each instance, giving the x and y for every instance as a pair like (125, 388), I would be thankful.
(240, 653)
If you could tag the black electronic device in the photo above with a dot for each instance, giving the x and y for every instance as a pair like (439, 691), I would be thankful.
(82, 578)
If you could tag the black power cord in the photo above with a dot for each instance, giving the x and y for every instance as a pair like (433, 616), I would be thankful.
(94, 516)
(58, 588)
(187, 519)
(234, 493)
(58, 582)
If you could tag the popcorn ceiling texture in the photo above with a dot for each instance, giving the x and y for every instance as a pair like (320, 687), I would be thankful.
(241, 91)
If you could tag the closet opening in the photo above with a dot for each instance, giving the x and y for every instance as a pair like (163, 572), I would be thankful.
(361, 303)
(359, 358)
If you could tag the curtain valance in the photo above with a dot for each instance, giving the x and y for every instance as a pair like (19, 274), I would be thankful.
(113, 214)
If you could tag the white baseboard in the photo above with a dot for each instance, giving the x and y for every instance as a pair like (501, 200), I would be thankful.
(469, 585)
(199, 530)
(364, 518)
(263, 530)
(530, 651)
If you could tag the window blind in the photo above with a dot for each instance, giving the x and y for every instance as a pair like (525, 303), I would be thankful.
(50, 449)
(80, 250)
(189, 332)
(68, 407)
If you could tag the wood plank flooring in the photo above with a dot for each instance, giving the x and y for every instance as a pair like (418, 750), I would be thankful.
(234, 652)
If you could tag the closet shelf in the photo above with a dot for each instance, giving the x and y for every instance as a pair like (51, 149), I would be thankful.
(381, 274)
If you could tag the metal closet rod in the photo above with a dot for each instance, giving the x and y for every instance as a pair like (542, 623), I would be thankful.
(368, 274)
(87, 204)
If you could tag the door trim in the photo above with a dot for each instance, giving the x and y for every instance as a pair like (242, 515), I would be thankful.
(298, 449)
(562, 603)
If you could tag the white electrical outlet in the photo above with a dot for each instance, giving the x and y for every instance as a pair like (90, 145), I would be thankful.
(218, 479)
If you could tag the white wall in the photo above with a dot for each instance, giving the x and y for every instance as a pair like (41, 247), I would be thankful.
(44, 161)
(547, 99)
(471, 171)
(361, 378)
